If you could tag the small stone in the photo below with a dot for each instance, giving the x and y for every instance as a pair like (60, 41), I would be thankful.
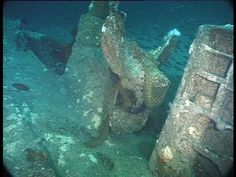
(89, 127)
(26, 110)
(99, 109)
(96, 120)
(82, 155)
(90, 94)
(85, 114)
(92, 158)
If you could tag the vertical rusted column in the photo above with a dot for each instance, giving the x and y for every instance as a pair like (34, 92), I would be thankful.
(197, 139)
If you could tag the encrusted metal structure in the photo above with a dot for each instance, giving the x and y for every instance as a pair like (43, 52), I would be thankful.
(141, 85)
(197, 138)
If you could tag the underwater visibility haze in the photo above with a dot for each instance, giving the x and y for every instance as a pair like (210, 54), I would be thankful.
(118, 88)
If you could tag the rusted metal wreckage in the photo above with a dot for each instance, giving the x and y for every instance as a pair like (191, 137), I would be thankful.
(197, 138)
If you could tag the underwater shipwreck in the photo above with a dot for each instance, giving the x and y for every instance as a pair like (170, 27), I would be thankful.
(91, 107)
